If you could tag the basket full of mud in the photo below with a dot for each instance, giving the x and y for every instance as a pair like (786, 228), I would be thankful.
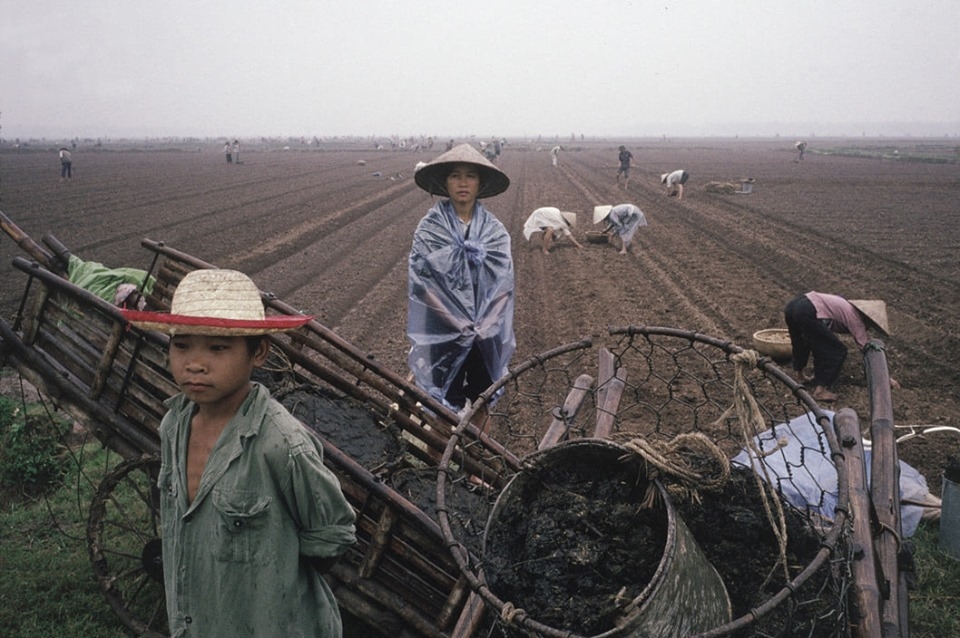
(617, 502)
(581, 527)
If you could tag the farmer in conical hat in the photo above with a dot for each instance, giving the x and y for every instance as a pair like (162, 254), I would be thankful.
(623, 221)
(461, 281)
(552, 222)
(251, 517)
(814, 319)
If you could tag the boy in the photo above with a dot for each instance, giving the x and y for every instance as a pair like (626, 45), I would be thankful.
(250, 515)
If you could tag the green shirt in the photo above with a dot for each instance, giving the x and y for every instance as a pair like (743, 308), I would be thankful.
(233, 560)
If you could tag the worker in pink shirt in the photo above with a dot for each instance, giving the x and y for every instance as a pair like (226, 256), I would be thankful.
(814, 319)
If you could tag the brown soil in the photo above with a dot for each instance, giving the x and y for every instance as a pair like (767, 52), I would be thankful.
(321, 231)
(324, 233)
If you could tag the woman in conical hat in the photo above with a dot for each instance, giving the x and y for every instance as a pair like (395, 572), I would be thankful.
(461, 281)
(623, 221)
(814, 319)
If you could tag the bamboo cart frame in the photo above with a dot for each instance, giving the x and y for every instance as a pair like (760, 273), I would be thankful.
(405, 576)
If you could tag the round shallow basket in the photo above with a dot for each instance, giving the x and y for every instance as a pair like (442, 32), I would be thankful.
(773, 343)
(597, 237)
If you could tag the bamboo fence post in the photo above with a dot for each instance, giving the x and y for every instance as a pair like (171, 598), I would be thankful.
(885, 491)
(866, 591)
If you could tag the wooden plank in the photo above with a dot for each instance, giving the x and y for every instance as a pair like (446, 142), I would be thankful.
(563, 415)
(607, 411)
(469, 621)
(105, 365)
(378, 543)
(606, 372)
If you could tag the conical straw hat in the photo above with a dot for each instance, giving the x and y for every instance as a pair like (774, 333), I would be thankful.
(215, 302)
(432, 177)
(570, 217)
(875, 310)
(600, 213)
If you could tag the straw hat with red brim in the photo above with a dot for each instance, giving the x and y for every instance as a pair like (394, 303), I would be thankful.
(215, 303)
(432, 177)
(874, 310)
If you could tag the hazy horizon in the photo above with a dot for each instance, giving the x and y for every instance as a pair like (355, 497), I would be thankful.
(510, 68)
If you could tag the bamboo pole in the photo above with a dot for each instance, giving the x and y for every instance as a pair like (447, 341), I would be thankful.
(885, 491)
(866, 591)
(23, 240)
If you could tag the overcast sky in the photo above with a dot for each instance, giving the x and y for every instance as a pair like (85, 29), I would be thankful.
(239, 68)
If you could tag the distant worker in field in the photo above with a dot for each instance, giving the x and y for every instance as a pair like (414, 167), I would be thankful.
(813, 319)
(460, 282)
(66, 164)
(555, 154)
(553, 223)
(236, 151)
(623, 221)
(675, 182)
(228, 152)
(801, 146)
(625, 158)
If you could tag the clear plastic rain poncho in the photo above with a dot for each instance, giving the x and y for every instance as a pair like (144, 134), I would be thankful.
(461, 293)
(624, 220)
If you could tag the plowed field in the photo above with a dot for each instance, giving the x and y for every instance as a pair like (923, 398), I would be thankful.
(328, 229)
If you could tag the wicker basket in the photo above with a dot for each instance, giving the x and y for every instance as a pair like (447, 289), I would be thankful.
(773, 343)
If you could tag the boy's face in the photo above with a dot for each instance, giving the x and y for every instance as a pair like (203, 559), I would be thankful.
(214, 371)
(463, 183)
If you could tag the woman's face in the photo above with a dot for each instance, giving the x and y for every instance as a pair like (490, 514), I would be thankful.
(463, 184)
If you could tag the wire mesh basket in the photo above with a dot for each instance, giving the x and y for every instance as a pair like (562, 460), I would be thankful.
(711, 422)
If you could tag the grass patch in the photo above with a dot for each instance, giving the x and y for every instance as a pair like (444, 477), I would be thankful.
(47, 586)
(934, 609)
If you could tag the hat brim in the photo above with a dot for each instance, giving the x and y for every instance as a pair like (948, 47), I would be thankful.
(433, 176)
(600, 213)
(211, 326)
(875, 311)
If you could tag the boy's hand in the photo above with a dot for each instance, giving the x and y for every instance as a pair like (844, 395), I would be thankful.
(322, 565)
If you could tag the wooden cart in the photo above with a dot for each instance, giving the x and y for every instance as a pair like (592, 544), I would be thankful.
(417, 568)
(399, 579)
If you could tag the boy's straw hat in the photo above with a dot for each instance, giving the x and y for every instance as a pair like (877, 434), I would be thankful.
(600, 213)
(570, 217)
(432, 177)
(874, 310)
(663, 178)
(216, 303)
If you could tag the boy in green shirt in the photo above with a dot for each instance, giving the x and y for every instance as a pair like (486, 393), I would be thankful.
(250, 514)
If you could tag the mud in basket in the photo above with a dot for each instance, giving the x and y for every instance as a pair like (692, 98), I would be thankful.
(691, 430)
(583, 516)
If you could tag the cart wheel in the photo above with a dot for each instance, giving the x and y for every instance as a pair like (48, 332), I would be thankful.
(123, 536)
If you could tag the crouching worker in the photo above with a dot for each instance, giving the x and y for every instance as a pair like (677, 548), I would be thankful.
(675, 182)
(553, 224)
(251, 516)
(623, 221)
(813, 320)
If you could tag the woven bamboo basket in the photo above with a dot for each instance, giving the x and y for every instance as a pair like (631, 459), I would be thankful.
(773, 343)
